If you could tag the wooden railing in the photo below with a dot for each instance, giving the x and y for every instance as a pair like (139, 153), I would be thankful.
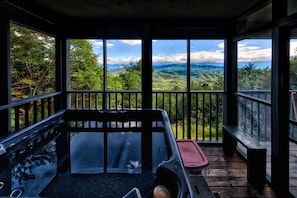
(25, 112)
(193, 115)
(254, 114)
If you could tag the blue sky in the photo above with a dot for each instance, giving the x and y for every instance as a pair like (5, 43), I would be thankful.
(167, 51)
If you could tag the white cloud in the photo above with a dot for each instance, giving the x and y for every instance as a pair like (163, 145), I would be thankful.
(293, 48)
(248, 53)
(240, 45)
(201, 56)
(131, 42)
(124, 61)
(207, 56)
(99, 44)
(177, 58)
(100, 60)
(221, 45)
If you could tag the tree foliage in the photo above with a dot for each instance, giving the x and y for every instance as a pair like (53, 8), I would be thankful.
(252, 78)
(32, 62)
(293, 73)
(85, 72)
(131, 78)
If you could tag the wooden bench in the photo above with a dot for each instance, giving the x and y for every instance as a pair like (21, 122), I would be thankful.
(256, 154)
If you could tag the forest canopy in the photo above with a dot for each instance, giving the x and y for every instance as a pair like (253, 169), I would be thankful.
(32, 58)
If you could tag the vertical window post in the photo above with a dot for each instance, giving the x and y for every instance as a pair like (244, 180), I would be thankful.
(147, 67)
(5, 85)
(230, 81)
(279, 102)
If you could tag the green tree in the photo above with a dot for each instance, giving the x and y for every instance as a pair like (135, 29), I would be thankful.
(114, 82)
(84, 70)
(252, 78)
(32, 62)
(131, 78)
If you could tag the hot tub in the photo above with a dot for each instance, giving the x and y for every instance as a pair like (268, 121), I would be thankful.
(94, 153)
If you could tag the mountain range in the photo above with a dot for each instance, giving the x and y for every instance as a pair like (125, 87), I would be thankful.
(210, 65)
(195, 69)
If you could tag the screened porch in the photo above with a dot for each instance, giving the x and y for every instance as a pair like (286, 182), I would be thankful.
(208, 64)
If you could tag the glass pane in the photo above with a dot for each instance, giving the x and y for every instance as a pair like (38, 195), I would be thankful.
(293, 63)
(292, 7)
(32, 56)
(124, 153)
(169, 64)
(254, 67)
(159, 149)
(86, 152)
(293, 113)
(123, 64)
(86, 70)
(207, 64)
(254, 80)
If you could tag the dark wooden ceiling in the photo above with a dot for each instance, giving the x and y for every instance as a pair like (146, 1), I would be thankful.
(67, 10)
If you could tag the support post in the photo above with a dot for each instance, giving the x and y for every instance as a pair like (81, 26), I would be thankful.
(147, 67)
(146, 137)
(62, 73)
(5, 85)
(279, 102)
(256, 168)
(230, 80)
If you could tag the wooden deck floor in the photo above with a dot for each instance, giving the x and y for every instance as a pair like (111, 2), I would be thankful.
(293, 168)
(227, 175)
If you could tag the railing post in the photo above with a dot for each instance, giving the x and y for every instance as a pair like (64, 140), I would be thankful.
(188, 90)
(104, 95)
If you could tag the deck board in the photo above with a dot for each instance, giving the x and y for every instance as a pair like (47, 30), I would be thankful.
(226, 175)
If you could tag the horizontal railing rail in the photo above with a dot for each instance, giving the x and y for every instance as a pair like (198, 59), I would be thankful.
(265, 95)
(27, 111)
(24, 101)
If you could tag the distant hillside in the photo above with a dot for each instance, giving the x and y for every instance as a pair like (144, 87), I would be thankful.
(173, 76)
(178, 68)
(196, 68)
